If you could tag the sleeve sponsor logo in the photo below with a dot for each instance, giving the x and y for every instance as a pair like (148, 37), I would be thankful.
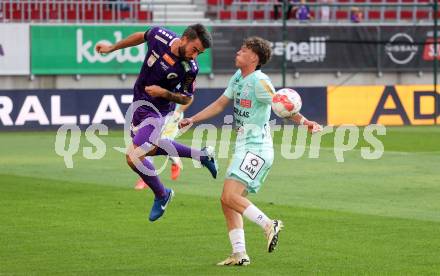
(166, 34)
(151, 60)
(169, 59)
(160, 39)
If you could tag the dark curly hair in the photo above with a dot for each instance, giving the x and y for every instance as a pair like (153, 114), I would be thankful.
(261, 47)
(198, 31)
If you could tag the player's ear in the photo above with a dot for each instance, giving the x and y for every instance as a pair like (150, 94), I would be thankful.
(183, 40)
(255, 59)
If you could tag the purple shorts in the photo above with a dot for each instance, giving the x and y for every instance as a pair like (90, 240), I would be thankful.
(148, 132)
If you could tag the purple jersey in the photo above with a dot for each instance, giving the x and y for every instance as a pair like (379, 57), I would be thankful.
(303, 12)
(161, 67)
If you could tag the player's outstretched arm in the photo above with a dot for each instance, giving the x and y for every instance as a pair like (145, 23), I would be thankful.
(299, 119)
(184, 107)
(132, 40)
(157, 91)
(210, 111)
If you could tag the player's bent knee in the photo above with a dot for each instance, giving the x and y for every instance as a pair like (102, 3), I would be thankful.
(130, 162)
(226, 199)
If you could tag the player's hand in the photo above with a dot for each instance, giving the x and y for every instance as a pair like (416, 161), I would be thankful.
(103, 48)
(176, 116)
(155, 91)
(313, 127)
(185, 122)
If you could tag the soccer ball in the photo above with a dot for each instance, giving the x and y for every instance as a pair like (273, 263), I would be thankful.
(286, 103)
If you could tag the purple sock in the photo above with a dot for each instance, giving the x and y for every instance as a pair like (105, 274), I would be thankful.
(152, 181)
(172, 148)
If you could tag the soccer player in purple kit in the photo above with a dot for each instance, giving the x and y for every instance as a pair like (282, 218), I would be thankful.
(166, 78)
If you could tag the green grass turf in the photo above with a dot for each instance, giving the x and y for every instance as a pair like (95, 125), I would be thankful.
(357, 217)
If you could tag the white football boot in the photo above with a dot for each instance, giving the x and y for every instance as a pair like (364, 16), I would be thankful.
(271, 232)
(240, 258)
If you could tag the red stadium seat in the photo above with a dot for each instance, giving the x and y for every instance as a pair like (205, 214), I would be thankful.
(213, 2)
(406, 15)
(342, 15)
(36, 13)
(228, 2)
(241, 15)
(124, 14)
(225, 15)
(390, 15)
(71, 13)
(422, 15)
(144, 15)
(374, 15)
(107, 14)
(89, 13)
(258, 15)
(272, 15)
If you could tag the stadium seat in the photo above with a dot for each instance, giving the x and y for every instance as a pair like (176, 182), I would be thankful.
(213, 2)
(241, 15)
(225, 15)
(144, 15)
(390, 15)
(406, 15)
(228, 2)
(422, 15)
(258, 15)
(374, 15)
(342, 15)
(272, 15)
(89, 13)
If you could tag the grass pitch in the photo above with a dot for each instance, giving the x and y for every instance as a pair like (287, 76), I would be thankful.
(357, 217)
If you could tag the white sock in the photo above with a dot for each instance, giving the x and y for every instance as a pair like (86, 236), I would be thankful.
(256, 215)
(176, 160)
(236, 236)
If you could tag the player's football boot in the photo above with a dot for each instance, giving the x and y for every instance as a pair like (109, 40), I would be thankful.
(160, 204)
(272, 231)
(208, 160)
(175, 171)
(141, 185)
(240, 258)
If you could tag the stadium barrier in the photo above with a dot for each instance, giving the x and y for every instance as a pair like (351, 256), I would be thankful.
(64, 49)
(69, 49)
(359, 105)
(14, 49)
(346, 48)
